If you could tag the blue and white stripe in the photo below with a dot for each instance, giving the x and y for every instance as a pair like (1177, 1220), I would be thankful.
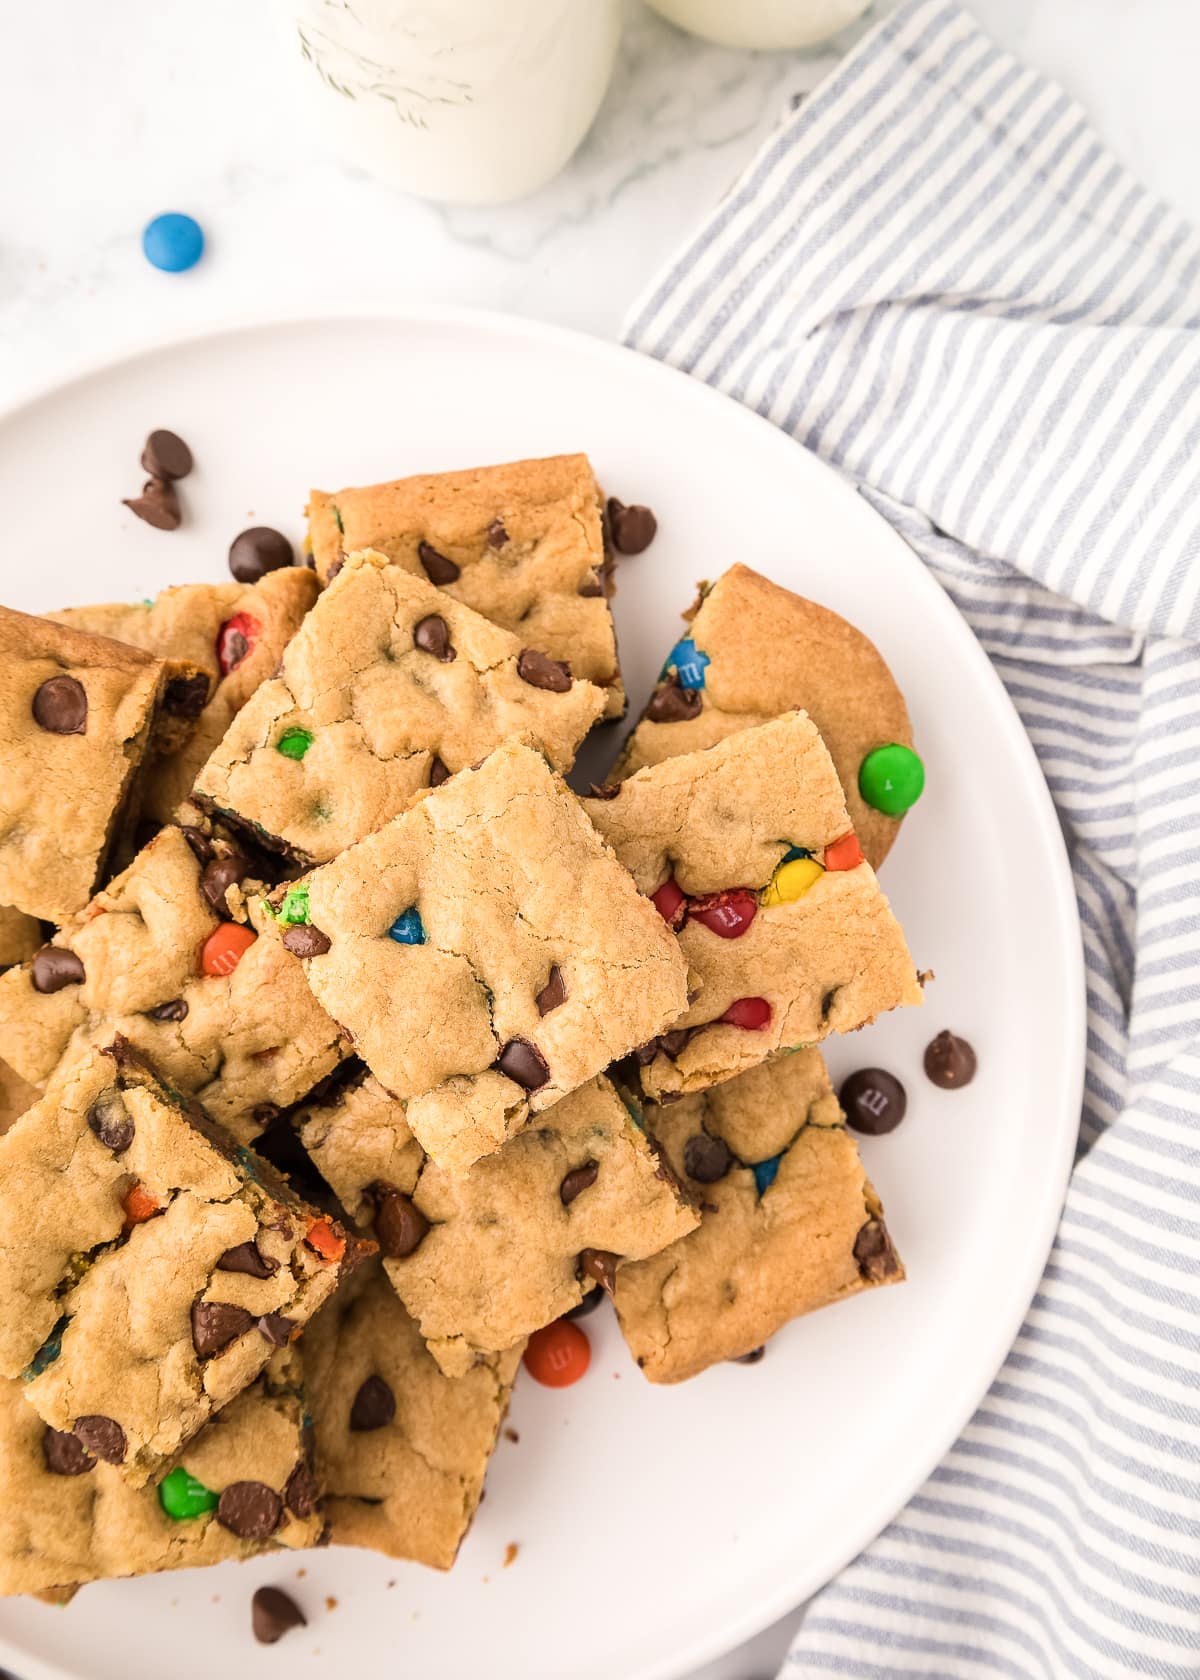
(937, 278)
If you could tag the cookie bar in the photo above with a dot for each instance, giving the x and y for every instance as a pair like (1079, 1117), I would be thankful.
(219, 641)
(148, 1267)
(400, 1449)
(389, 687)
(790, 1221)
(76, 713)
(522, 543)
(754, 650)
(243, 1485)
(483, 1260)
(747, 851)
(219, 1006)
(487, 954)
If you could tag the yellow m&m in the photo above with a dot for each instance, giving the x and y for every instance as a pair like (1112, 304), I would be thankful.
(792, 880)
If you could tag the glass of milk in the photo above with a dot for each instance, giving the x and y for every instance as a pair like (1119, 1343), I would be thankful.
(463, 101)
(763, 23)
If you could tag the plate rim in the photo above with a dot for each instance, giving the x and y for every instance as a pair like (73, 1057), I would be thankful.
(1043, 1221)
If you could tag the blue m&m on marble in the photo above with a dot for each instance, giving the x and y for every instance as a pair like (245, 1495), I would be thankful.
(690, 664)
(408, 929)
(173, 242)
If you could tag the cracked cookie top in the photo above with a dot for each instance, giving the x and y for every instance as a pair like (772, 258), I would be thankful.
(487, 953)
(522, 543)
(389, 687)
(484, 1259)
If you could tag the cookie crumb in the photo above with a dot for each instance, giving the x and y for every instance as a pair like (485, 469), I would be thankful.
(301, 1573)
(924, 976)
(510, 1553)
(331, 1603)
(511, 1435)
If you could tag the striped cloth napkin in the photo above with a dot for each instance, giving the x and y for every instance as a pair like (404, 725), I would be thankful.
(936, 277)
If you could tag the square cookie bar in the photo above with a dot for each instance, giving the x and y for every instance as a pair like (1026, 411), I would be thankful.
(243, 1485)
(754, 650)
(747, 851)
(389, 687)
(790, 1220)
(483, 1260)
(219, 641)
(487, 954)
(76, 713)
(522, 543)
(148, 1267)
(219, 1006)
(400, 1449)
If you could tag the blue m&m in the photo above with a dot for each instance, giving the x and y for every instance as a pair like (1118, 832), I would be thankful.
(173, 242)
(690, 664)
(764, 1173)
(408, 929)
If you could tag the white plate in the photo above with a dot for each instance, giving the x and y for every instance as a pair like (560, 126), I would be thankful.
(657, 1527)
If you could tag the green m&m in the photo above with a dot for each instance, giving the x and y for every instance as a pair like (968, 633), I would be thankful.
(294, 743)
(294, 909)
(891, 779)
(182, 1496)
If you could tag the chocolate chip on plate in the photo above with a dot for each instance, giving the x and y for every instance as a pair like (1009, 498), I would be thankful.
(305, 940)
(438, 568)
(539, 671)
(247, 1257)
(259, 550)
(215, 1324)
(300, 1492)
(751, 1358)
(432, 635)
(110, 1121)
(175, 1009)
(874, 1252)
(400, 1226)
(374, 1406)
(53, 968)
(102, 1436)
(601, 1264)
(706, 1159)
(950, 1061)
(578, 1180)
(64, 1454)
(633, 528)
(158, 505)
(273, 1613)
(672, 704)
(165, 455)
(60, 706)
(553, 993)
(251, 1510)
(874, 1101)
(524, 1064)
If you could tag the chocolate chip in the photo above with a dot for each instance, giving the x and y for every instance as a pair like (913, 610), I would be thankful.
(874, 1252)
(300, 1492)
(400, 1226)
(264, 1113)
(553, 993)
(60, 706)
(251, 1510)
(336, 568)
(432, 635)
(221, 873)
(254, 553)
(305, 940)
(53, 968)
(523, 1063)
(158, 505)
(276, 1329)
(165, 455)
(589, 1304)
(672, 704)
(950, 1061)
(438, 568)
(706, 1159)
(174, 1010)
(578, 1180)
(273, 1613)
(605, 790)
(751, 1358)
(247, 1257)
(438, 772)
(497, 536)
(600, 1264)
(645, 1053)
(374, 1406)
(215, 1324)
(874, 1101)
(540, 672)
(64, 1454)
(201, 845)
(111, 1121)
(632, 528)
(593, 584)
(186, 697)
(102, 1436)
(671, 1043)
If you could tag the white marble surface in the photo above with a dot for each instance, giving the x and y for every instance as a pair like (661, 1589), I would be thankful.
(111, 113)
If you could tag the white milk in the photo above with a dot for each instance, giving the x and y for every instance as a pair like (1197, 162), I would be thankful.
(762, 23)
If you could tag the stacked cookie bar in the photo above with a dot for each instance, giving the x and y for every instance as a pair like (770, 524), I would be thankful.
(346, 1048)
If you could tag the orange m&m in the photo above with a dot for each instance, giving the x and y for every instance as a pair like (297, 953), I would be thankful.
(558, 1355)
(225, 947)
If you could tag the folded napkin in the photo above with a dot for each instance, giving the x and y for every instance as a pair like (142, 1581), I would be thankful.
(936, 277)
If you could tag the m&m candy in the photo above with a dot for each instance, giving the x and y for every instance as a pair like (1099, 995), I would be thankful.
(690, 664)
(891, 779)
(792, 880)
(225, 947)
(294, 743)
(173, 242)
(765, 1173)
(408, 928)
(558, 1355)
(183, 1497)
